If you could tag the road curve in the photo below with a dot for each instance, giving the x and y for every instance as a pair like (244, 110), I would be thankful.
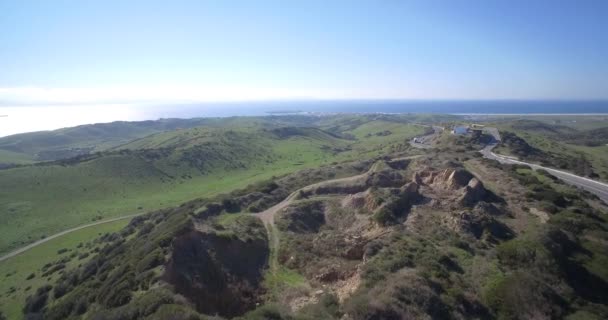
(600, 189)
(49, 238)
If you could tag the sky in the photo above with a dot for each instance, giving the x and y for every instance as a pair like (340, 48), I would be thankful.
(94, 53)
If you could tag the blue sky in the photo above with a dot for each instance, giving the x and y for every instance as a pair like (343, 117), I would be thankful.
(164, 51)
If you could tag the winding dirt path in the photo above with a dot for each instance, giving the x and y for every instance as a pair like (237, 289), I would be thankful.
(267, 216)
(62, 233)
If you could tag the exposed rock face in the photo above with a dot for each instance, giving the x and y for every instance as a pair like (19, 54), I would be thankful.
(392, 205)
(219, 275)
(477, 221)
(335, 189)
(417, 178)
(469, 190)
(385, 179)
(303, 218)
(473, 193)
(371, 202)
(329, 275)
(354, 201)
(355, 248)
(470, 222)
(332, 273)
(459, 178)
(410, 188)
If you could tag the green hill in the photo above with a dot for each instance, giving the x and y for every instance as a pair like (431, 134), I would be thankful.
(168, 168)
(69, 142)
(157, 171)
(430, 237)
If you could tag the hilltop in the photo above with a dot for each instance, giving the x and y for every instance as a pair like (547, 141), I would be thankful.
(425, 237)
(332, 217)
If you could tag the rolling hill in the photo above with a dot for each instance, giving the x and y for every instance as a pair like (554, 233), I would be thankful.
(157, 171)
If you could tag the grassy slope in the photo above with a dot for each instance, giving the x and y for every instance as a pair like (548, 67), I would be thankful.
(46, 199)
(7, 156)
(14, 272)
(26, 147)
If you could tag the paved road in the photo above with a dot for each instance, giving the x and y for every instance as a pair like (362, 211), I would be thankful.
(41, 241)
(598, 188)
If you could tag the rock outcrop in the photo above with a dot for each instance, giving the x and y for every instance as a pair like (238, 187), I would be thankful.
(478, 220)
(354, 201)
(473, 193)
(218, 274)
(469, 222)
(307, 217)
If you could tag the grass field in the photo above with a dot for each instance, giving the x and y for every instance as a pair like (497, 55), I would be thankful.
(46, 199)
(15, 271)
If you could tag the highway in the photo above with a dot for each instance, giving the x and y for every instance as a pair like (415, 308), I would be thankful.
(598, 188)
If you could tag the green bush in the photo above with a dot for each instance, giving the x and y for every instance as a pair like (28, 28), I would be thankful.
(521, 296)
(525, 254)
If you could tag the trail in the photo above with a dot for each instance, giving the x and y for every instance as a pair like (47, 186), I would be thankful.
(62, 233)
(267, 216)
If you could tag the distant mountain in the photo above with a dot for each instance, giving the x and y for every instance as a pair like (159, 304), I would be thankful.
(69, 142)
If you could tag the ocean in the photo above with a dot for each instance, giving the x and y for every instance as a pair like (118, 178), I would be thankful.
(18, 119)
(386, 106)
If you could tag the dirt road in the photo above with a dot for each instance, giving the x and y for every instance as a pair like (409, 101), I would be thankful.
(41, 241)
(267, 216)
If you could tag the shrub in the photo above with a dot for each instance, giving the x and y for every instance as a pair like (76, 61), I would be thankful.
(37, 301)
(522, 296)
(61, 288)
(519, 253)
(151, 260)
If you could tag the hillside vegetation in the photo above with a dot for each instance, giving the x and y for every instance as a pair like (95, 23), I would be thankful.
(308, 217)
(424, 238)
(166, 169)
